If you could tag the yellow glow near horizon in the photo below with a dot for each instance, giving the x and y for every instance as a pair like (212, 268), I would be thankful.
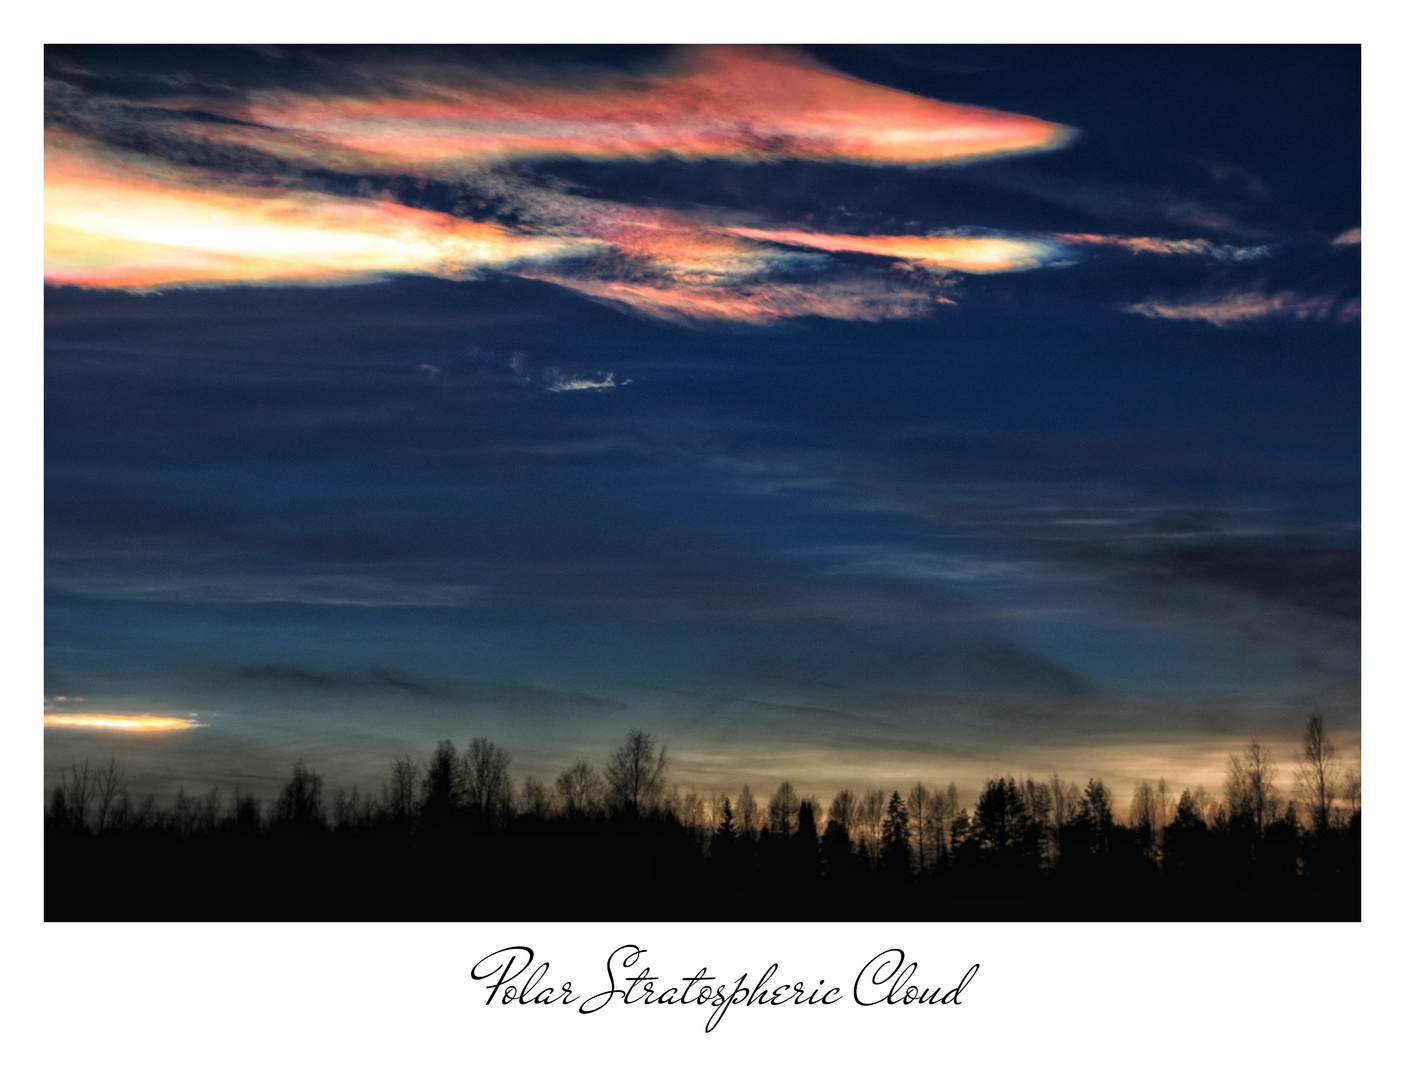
(119, 723)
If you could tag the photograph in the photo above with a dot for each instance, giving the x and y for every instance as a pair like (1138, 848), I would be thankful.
(576, 484)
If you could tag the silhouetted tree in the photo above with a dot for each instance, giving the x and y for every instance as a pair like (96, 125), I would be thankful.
(1318, 774)
(245, 816)
(960, 829)
(782, 810)
(1351, 792)
(537, 801)
(895, 840)
(442, 788)
(107, 788)
(843, 808)
(77, 787)
(578, 788)
(749, 820)
(726, 834)
(400, 794)
(635, 774)
(868, 824)
(1002, 826)
(919, 802)
(487, 786)
(299, 806)
(1249, 789)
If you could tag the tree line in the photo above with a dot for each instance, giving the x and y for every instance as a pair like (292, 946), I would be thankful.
(1021, 837)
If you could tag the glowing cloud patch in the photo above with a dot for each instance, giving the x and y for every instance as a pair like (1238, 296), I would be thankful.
(968, 254)
(112, 223)
(1348, 238)
(119, 723)
(741, 103)
(559, 382)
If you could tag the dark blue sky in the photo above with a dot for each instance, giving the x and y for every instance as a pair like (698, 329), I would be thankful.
(1101, 514)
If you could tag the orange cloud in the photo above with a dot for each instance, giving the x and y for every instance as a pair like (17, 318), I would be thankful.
(1346, 239)
(1245, 306)
(113, 222)
(969, 254)
(119, 723)
(742, 103)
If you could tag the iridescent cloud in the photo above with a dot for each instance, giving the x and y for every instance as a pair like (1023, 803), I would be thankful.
(1157, 245)
(118, 222)
(741, 103)
(854, 300)
(968, 254)
(1247, 305)
(119, 723)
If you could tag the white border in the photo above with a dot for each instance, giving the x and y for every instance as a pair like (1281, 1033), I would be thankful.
(396, 1000)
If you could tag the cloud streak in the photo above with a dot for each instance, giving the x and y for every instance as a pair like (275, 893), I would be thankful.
(1156, 245)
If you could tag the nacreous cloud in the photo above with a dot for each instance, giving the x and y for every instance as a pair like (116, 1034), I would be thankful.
(742, 103)
(968, 254)
(112, 221)
(120, 723)
(1247, 305)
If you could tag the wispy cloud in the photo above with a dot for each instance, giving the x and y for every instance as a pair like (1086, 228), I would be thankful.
(1348, 238)
(854, 299)
(558, 381)
(742, 103)
(1247, 305)
(1156, 245)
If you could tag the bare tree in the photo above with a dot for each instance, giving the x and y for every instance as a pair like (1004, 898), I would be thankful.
(868, 822)
(538, 800)
(1249, 788)
(1142, 816)
(108, 787)
(1162, 805)
(1318, 773)
(78, 789)
(691, 810)
(487, 787)
(579, 789)
(843, 808)
(748, 817)
(635, 774)
(919, 805)
(1351, 790)
(401, 792)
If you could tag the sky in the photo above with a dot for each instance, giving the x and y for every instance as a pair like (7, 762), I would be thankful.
(852, 416)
